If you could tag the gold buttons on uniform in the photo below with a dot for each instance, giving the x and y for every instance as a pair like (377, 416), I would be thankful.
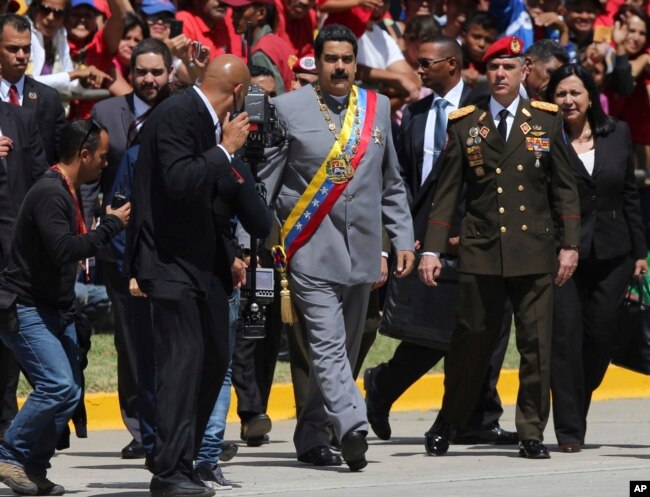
(498, 170)
(501, 210)
(524, 227)
(522, 208)
(520, 167)
(503, 229)
(499, 190)
(520, 188)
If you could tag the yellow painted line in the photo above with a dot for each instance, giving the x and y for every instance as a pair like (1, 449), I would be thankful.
(104, 412)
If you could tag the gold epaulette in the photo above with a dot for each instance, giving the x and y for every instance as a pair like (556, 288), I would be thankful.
(462, 112)
(547, 106)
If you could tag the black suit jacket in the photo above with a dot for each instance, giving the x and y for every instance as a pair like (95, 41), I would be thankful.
(45, 102)
(25, 164)
(611, 223)
(172, 237)
(410, 151)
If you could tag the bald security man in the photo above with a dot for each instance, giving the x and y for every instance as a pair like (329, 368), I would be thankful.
(178, 259)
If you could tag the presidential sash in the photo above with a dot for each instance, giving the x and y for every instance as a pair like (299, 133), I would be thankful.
(333, 176)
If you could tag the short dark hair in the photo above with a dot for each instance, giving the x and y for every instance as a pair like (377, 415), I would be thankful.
(601, 124)
(19, 23)
(257, 71)
(545, 50)
(131, 21)
(450, 46)
(483, 19)
(151, 45)
(78, 135)
(334, 32)
(421, 28)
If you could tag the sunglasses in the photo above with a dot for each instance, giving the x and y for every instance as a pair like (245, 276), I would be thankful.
(165, 20)
(427, 63)
(46, 11)
(94, 126)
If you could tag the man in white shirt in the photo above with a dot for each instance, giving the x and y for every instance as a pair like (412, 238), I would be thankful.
(381, 63)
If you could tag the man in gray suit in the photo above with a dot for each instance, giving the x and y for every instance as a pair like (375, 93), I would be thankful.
(151, 71)
(333, 183)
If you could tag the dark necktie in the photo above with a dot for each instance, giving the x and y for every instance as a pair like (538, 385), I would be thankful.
(502, 128)
(13, 95)
(440, 130)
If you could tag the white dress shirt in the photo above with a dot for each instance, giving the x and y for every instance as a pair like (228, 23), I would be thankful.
(453, 96)
(215, 120)
(496, 107)
(4, 89)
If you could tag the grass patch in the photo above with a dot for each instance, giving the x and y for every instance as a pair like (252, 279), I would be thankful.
(101, 373)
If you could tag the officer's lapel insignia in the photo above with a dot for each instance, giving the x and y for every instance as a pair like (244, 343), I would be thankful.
(525, 128)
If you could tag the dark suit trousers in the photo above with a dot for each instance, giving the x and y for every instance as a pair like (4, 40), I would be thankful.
(480, 305)
(585, 317)
(190, 337)
(411, 361)
(117, 288)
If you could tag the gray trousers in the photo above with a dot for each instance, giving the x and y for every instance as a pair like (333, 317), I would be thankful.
(333, 316)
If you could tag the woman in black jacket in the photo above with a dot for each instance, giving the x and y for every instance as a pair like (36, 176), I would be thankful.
(612, 250)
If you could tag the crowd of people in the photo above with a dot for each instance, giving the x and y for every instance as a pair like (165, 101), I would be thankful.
(445, 166)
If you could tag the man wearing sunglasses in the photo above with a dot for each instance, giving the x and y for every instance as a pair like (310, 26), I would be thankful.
(37, 296)
(421, 137)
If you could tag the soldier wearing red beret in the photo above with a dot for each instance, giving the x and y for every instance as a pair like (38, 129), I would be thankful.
(511, 159)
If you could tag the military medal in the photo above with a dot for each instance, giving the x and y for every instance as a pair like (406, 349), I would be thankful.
(525, 128)
(484, 132)
(378, 137)
(470, 141)
(331, 126)
(473, 132)
(537, 127)
(477, 140)
(479, 171)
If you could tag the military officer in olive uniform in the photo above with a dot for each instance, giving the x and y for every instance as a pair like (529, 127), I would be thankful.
(512, 158)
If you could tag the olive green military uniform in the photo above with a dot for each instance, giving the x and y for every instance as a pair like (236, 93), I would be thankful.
(514, 190)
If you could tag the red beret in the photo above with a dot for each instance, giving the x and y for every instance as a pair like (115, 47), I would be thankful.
(306, 64)
(508, 46)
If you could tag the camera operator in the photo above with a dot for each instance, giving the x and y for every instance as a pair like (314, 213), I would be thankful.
(37, 297)
(178, 258)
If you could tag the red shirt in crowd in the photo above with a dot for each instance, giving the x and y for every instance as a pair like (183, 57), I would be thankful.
(221, 39)
(355, 18)
(299, 33)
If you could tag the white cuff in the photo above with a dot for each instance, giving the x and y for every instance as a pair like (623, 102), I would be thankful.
(384, 254)
(225, 152)
(435, 254)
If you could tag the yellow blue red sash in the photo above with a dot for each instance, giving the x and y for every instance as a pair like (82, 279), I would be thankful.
(324, 190)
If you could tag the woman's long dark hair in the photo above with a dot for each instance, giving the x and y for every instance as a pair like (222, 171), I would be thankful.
(601, 124)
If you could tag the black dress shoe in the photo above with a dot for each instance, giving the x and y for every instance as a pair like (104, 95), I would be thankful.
(228, 451)
(135, 450)
(494, 436)
(377, 409)
(436, 442)
(185, 489)
(254, 431)
(570, 448)
(320, 456)
(533, 449)
(353, 450)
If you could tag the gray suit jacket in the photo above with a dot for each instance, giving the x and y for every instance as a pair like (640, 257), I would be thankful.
(116, 115)
(346, 247)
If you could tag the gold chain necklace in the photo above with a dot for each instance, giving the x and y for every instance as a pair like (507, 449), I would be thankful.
(339, 170)
(328, 117)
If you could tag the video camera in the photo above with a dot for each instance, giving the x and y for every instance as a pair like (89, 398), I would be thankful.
(265, 129)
